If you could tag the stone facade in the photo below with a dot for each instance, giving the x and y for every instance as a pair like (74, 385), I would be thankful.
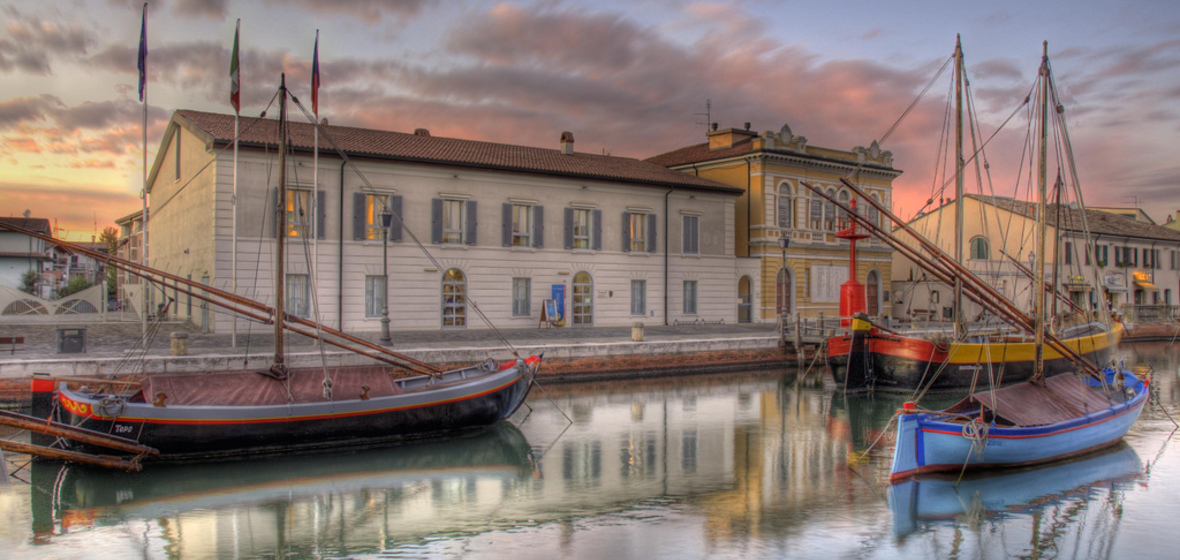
(654, 245)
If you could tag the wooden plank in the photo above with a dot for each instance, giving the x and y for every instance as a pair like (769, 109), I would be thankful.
(72, 456)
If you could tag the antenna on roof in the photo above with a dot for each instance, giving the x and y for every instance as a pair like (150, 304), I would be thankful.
(708, 114)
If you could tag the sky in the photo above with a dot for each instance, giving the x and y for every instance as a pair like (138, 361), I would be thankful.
(627, 78)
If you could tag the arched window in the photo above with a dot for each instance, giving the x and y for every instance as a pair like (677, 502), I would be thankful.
(844, 197)
(786, 207)
(830, 212)
(873, 293)
(980, 251)
(454, 299)
(582, 301)
(873, 213)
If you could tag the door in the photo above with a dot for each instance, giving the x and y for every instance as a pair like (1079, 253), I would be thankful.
(745, 308)
(873, 294)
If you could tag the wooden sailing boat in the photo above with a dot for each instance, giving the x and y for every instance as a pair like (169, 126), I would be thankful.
(873, 358)
(1044, 419)
(244, 412)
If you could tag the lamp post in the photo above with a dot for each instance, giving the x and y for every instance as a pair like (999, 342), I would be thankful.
(386, 222)
(783, 243)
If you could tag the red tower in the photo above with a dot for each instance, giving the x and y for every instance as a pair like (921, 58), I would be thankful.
(852, 293)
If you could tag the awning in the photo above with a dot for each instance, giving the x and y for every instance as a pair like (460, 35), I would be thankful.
(1146, 285)
(1115, 289)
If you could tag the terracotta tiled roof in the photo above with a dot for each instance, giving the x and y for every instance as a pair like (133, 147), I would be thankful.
(39, 225)
(451, 151)
(700, 152)
(1071, 219)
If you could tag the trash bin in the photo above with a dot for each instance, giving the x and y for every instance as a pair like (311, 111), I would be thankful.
(637, 331)
(179, 343)
(71, 340)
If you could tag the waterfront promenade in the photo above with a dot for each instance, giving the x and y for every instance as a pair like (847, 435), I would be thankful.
(570, 353)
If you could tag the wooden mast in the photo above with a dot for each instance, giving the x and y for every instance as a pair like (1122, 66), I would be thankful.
(960, 329)
(278, 367)
(1042, 180)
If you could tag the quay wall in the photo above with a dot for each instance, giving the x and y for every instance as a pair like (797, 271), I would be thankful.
(583, 361)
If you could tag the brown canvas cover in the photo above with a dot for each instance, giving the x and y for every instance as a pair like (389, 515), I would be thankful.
(249, 388)
(1063, 397)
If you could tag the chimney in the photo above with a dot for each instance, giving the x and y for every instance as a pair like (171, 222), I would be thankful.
(421, 132)
(728, 137)
(567, 143)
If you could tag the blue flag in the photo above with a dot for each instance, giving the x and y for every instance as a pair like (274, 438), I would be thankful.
(143, 53)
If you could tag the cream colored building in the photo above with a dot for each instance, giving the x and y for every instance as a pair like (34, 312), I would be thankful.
(1131, 264)
(507, 227)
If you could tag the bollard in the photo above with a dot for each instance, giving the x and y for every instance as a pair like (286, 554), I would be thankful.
(637, 331)
(179, 344)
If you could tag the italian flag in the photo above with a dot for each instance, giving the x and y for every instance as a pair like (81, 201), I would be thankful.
(235, 76)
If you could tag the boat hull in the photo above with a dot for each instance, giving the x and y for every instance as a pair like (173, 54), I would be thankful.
(903, 364)
(928, 443)
(210, 431)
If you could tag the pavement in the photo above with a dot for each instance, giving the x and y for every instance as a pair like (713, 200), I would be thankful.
(116, 340)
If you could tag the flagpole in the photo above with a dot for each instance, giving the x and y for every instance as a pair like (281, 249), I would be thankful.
(315, 175)
(233, 336)
(143, 253)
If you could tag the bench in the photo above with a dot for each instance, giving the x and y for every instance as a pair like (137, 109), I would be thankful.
(12, 343)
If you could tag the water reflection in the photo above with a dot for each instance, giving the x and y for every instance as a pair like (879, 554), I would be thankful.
(736, 465)
(311, 505)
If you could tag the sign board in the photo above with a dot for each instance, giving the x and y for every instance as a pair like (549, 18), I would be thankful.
(825, 282)
(549, 314)
(558, 317)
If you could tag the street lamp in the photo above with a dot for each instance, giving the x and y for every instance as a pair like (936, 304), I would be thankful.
(783, 243)
(386, 222)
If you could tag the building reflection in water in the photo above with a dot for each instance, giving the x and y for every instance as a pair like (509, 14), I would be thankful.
(759, 459)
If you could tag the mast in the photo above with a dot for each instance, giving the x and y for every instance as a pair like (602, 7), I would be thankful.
(1042, 187)
(281, 207)
(960, 329)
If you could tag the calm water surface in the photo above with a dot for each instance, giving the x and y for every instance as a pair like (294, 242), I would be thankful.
(750, 465)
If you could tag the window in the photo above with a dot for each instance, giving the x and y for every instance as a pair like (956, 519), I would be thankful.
(979, 249)
(874, 214)
(844, 198)
(934, 297)
(189, 304)
(830, 212)
(691, 233)
(785, 208)
(816, 216)
(580, 228)
(520, 297)
(583, 299)
(375, 295)
(1068, 252)
(298, 213)
(690, 297)
(375, 205)
(522, 225)
(298, 295)
(639, 297)
(454, 303)
(637, 232)
(177, 154)
(454, 218)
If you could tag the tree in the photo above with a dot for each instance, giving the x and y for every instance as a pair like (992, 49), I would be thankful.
(76, 284)
(28, 281)
(110, 236)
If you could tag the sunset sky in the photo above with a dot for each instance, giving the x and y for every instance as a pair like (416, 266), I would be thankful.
(624, 77)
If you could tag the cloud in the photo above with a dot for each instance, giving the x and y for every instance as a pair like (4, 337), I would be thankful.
(75, 208)
(211, 9)
(368, 11)
(25, 109)
(31, 40)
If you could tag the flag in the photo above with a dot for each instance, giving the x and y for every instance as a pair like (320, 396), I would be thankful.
(235, 75)
(143, 53)
(315, 76)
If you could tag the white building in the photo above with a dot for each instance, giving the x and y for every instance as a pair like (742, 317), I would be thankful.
(1132, 265)
(507, 227)
(20, 253)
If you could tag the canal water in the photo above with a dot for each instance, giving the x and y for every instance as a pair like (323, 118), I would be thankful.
(747, 465)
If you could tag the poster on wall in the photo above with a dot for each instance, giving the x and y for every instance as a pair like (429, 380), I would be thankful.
(559, 300)
(826, 281)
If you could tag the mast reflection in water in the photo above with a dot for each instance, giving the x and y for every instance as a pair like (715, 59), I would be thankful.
(747, 465)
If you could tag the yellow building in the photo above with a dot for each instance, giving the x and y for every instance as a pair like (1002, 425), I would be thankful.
(771, 168)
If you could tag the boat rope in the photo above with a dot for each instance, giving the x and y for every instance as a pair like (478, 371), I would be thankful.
(917, 99)
(975, 430)
(313, 287)
(884, 432)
